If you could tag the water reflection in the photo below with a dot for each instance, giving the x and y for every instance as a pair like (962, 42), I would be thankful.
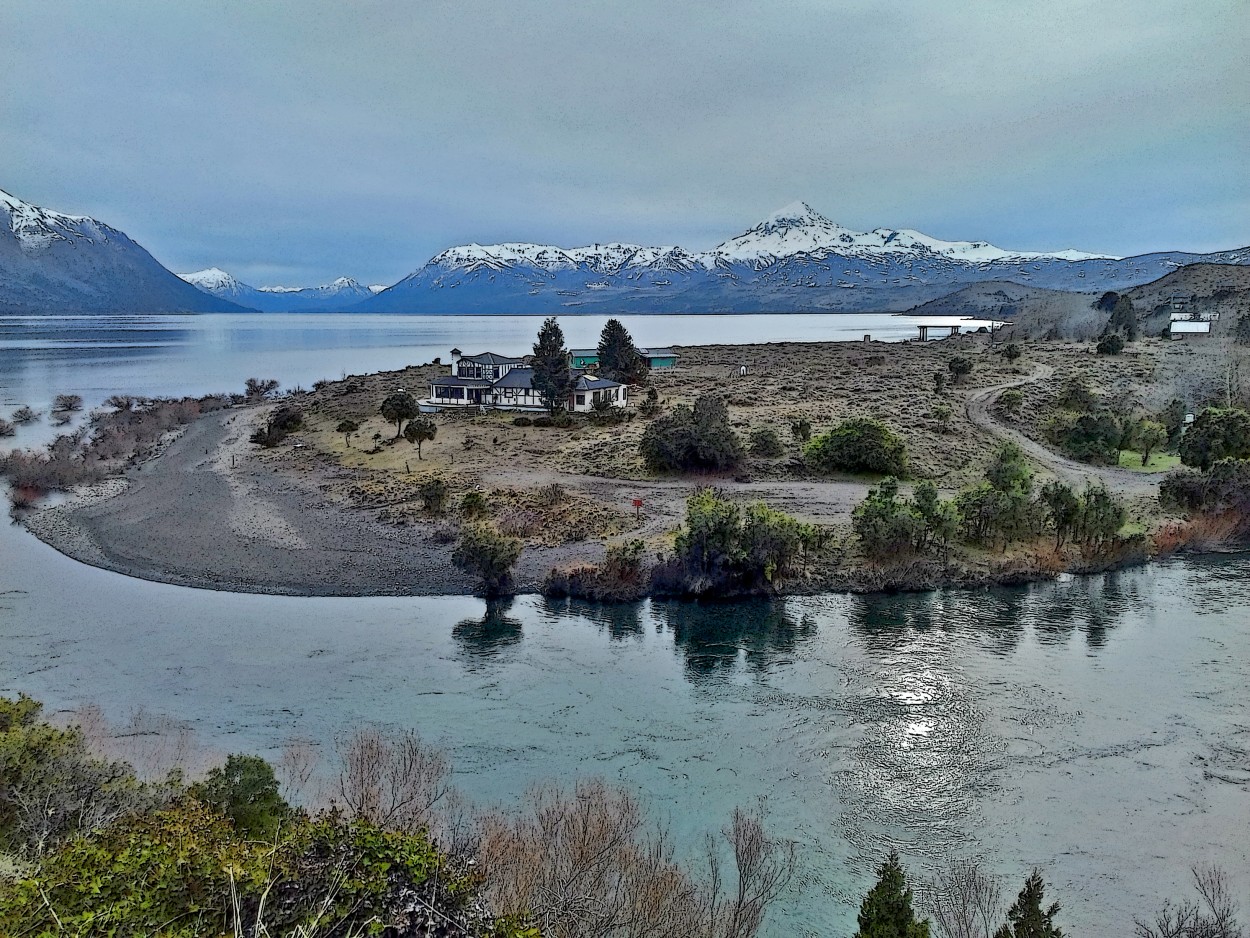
(715, 638)
(483, 639)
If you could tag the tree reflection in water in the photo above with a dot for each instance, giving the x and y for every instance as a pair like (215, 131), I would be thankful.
(620, 620)
(998, 617)
(714, 636)
(484, 638)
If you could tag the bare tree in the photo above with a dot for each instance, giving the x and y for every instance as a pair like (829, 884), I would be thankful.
(296, 767)
(257, 389)
(587, 863)
(965, 901)
(392, 781)
(1214, 915)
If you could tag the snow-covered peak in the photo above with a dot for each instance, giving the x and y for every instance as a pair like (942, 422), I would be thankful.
(377, 287)
(37, 228)
(800, 229)
(211, 278)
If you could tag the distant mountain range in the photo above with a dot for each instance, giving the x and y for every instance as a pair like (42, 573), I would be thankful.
(55, 263)
(796, 260)
(342, 294)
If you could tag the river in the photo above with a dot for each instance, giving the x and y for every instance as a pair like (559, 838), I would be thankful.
(1096, 727)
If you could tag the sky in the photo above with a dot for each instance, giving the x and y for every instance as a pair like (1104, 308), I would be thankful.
(294, 142)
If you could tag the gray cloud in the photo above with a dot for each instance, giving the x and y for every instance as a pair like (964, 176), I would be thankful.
(292, 142)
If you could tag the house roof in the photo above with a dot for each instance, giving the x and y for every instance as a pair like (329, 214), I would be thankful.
(490, 358)
(584, 352)
(587, 383)
(521, 378)
(658, 352)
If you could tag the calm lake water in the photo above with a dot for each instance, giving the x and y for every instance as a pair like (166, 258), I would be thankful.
(1097, 727)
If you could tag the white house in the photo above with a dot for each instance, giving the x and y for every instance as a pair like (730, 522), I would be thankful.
(503, 383)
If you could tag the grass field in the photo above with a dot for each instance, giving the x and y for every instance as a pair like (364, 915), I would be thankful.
(1159, 462)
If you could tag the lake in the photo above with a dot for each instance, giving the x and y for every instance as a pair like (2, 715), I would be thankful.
(1097, 727)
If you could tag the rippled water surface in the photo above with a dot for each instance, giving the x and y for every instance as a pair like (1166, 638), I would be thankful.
(1097, 727)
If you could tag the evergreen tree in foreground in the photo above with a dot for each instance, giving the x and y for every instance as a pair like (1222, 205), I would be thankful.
(886, 911)
(552, 376)
(619, 358)
(1026, 918)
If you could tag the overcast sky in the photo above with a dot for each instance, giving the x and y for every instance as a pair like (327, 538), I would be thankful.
(291, 142)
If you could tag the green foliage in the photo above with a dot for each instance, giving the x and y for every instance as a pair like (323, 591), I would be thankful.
(1011, 400)
(1063, 509)
(942, 414)
(1110, 344)
(939, 382)
(487, 553)
(1012, 352)
(553, 378)
(184, 871)
(347, 428)
(1000, 509)
(801, 429)
(1223, 487)
(434, 494)
(1090, 437)
(1077, 396)
(246, 792)
(723, 547)
(886, 911)
(51, 787)
(885, 526)
(1106, 302)
(766, 442)
(619, 359)
(399, 407)
(698, 438)
(860, 444)
(282, 422)
(650, 405)
(1123, 323)
(1173, 418)
(1026, 918)
(473, 504)
(1216, 434)
(1148, 436)
(420, 430)
(960, 366)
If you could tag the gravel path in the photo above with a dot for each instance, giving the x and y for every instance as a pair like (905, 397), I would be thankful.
(1075, 473)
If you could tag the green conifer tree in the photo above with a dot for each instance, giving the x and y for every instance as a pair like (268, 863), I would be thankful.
(886, 911)
(1026, 918)
(552, 376)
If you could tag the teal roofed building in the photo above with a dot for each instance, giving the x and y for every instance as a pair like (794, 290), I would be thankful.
(656, 357)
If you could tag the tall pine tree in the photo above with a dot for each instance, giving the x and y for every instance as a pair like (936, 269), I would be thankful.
(552, 377)
(886, 911)
(619, 358)
(1026, 918)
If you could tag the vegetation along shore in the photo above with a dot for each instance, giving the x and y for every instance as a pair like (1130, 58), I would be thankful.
(756, 469)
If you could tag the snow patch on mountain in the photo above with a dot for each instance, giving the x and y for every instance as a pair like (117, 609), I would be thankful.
(37, 229)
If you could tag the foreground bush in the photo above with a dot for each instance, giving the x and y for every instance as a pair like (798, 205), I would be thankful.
(620, 577)
(488, 554)
(858, 445)
(698, 438)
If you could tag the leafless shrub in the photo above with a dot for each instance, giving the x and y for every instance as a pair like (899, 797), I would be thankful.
(965, 901)
(392, 781)
(296, 767)
(156, 745)
(1214, 915)
(24, 415)
(67, 402)
(6, 428)
(587, 863)
(257, 389)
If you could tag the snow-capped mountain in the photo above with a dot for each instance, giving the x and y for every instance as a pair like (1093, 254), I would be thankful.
(53, 262)
(337, 296)
(794, 260)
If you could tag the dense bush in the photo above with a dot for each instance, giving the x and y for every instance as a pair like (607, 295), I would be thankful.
(24, 415)
(486, 553)
(281, 423)
(1111, 344)
(960, 367)
(245, 791)
(1089, 437)
(766, 442)
(1215, 435)
(890, 527)
(858, 445)
(698, 438)
(434, 494)
(1001, 509)
(620, 577)
(1223, 487)
(723, 548)
(522, 421)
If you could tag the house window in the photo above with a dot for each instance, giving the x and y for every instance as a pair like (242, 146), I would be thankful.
(454, 393)
(581, 400)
